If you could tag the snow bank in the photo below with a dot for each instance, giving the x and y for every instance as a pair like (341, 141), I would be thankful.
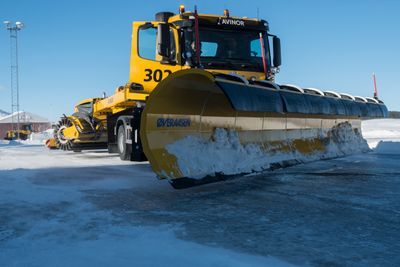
(224, 154)
(378, 130)
(39, 138)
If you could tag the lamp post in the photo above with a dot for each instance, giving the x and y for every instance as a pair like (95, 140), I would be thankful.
(13, 28)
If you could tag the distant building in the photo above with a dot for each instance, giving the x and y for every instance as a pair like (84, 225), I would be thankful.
(38, 123)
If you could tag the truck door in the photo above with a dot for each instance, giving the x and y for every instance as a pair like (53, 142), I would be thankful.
(146, 67)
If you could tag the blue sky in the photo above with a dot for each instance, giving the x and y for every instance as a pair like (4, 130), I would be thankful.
(72, 49)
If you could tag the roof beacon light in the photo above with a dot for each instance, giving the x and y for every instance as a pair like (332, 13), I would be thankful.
(182, 9)
(226, 13)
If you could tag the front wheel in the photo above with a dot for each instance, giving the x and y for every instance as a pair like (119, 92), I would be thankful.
(124, 150)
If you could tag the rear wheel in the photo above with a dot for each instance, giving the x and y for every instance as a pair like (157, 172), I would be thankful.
(124, 150)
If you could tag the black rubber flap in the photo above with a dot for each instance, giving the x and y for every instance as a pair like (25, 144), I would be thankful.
(384, 110)
(319, 105)
(251, 98)
(352, 109)
(336, 106)
(374, 110)
(295, 102)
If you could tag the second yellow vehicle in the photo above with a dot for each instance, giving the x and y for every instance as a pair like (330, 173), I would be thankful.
(201, 104)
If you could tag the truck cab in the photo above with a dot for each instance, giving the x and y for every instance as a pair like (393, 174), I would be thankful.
(219, 44)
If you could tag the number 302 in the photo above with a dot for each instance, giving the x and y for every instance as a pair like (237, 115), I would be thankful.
(156, 75)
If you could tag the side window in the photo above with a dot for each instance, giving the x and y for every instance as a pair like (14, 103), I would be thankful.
(255, 48)
(148, 43)
(173, 48)
(208, 49)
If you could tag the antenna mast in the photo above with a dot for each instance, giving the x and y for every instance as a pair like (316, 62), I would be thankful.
(13, 29)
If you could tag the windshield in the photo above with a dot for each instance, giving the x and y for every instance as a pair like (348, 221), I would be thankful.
(227, 49)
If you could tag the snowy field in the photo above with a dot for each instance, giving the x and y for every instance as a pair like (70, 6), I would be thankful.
(91, 209)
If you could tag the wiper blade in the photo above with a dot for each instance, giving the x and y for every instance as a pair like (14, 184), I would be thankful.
(215, 62)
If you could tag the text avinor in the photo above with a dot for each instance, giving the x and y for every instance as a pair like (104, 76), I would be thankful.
(234, 22)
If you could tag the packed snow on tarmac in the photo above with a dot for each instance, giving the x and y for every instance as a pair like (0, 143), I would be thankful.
(91, 209)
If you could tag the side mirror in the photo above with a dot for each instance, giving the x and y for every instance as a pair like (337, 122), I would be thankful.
(163, 40)
(277, 51)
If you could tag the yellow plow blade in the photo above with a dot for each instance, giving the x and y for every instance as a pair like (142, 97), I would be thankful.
(198, 127)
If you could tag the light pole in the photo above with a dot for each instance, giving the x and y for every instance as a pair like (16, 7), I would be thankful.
(13, 28)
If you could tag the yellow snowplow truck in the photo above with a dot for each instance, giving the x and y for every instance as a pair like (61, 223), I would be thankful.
(21, 134)
(201, 104)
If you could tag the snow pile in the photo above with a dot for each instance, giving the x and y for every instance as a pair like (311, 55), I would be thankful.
(344, 140)
(39, 138)
(224, 154)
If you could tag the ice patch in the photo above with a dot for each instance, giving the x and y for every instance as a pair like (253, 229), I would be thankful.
(224, 154)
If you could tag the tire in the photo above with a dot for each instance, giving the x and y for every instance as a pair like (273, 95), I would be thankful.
(124, 150)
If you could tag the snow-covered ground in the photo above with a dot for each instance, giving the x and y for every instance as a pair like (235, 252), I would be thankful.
(91, 209)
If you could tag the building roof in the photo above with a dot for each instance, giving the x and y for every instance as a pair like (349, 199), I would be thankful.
(24, 117)
(3, 113)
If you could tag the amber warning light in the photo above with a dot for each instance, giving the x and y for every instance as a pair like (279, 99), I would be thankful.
(181, 9)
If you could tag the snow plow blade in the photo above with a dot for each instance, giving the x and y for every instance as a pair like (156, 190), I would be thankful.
(198, 127)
